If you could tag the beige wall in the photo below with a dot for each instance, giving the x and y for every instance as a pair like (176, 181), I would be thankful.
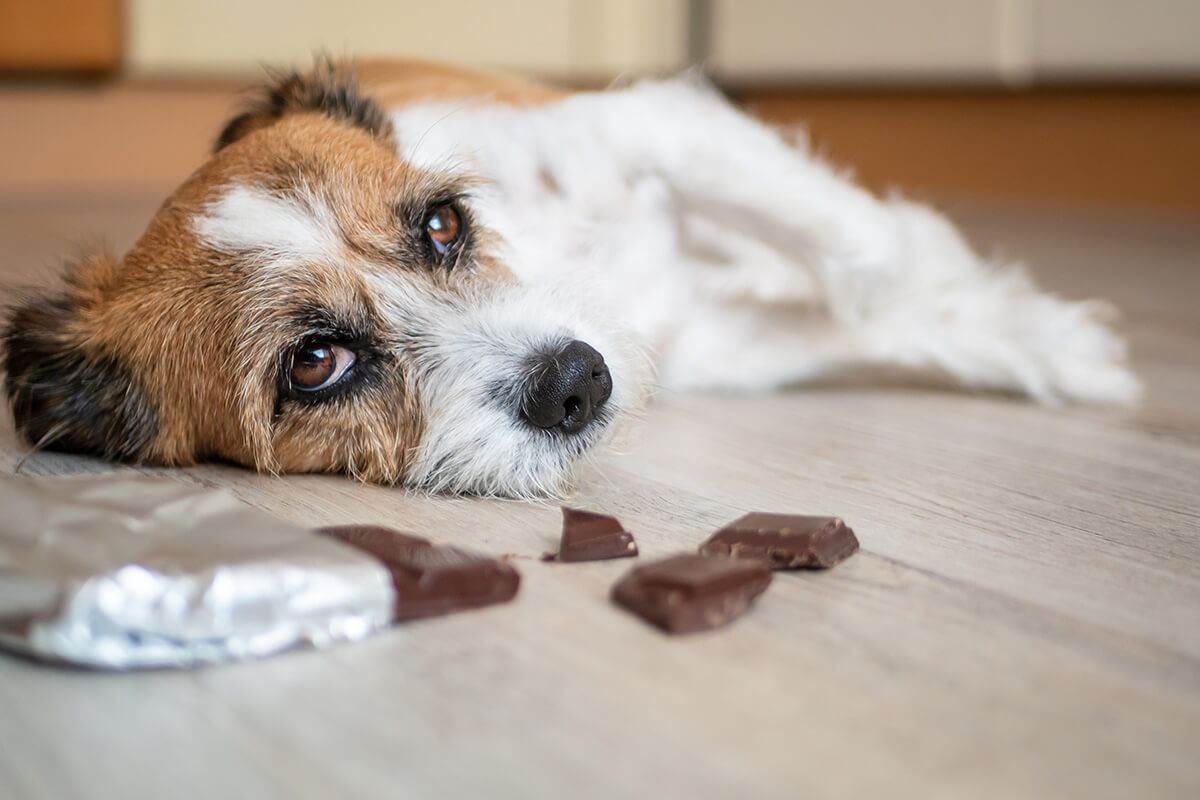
(582, 39)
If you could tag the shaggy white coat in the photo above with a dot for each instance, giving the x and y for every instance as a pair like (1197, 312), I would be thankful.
(659, 220)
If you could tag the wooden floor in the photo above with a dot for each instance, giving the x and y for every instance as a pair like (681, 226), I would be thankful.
(1023, 619)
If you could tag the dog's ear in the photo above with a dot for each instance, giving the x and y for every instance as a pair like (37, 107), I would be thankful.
(65, 393)
(331, 89)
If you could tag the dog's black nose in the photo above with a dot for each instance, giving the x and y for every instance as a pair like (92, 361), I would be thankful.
(568, 388)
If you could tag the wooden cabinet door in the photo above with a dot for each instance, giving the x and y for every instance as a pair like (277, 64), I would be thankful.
(60, 35)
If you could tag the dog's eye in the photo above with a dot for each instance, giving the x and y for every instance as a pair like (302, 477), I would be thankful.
(319, 365)
(443, 228)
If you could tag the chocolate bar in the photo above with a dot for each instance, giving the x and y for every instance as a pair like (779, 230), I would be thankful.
(587, 536)
(430, 579)
(787, 541)
(689, 593)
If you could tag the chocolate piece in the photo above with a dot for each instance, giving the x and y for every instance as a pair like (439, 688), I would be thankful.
(688, 593)
(431, 579)
(587, 536)
(787, 541)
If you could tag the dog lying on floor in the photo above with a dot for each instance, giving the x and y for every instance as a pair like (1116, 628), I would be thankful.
(416, 274)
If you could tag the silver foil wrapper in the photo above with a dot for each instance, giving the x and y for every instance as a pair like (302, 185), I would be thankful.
(125, 571)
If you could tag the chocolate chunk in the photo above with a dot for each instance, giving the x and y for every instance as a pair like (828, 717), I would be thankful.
(431, 579)
(688, 593)
(787, 541)
(587, 536)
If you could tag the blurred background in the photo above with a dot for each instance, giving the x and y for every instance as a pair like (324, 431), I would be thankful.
(1092, 102)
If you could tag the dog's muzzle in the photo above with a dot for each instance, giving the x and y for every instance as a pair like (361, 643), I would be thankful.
(567, 388)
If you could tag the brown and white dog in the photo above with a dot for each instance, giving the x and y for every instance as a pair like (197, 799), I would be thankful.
(416, 274)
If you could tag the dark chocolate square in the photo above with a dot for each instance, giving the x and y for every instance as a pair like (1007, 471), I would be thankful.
(690, 593)
(587, 536)
(787, 541)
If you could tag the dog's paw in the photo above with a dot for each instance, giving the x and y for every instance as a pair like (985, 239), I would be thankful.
(993, 329)
(1055, 351)
(1083, 360)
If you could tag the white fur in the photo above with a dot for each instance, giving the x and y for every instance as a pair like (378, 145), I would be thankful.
(740, 261)
(471, 351)
(658, 218)
(280, 230)
(462, 342)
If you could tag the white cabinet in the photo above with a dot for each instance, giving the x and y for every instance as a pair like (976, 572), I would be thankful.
(741, 41)
(1116, 38)
(855, 40)
(955, 41)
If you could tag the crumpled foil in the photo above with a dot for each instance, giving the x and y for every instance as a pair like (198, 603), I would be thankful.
(126, 571)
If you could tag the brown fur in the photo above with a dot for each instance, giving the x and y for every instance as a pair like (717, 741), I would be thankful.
(182, 326)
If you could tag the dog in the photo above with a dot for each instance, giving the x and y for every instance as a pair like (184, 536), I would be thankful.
(416, 274)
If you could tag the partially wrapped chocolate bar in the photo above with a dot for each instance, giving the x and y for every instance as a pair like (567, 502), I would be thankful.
(690, 593)
(787, 541)
(126, 571)
(429, 579)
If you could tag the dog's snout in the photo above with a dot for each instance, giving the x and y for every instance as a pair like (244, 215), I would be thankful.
(568, 388)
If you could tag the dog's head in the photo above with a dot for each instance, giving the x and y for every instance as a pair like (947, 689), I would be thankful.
(306, 301)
